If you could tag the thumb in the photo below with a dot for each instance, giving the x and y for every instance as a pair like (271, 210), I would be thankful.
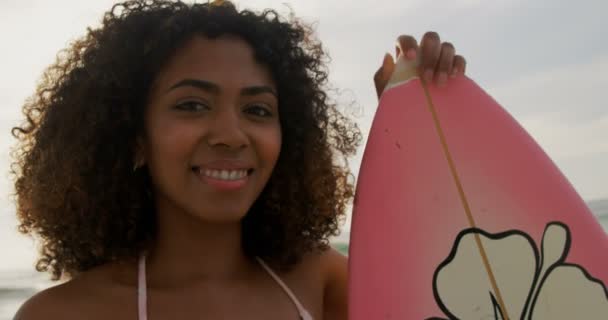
(383, 74)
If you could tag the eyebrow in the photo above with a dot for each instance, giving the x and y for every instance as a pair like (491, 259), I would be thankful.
(215, 89)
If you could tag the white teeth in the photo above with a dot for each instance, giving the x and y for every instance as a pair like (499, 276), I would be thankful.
(224, 174)
(233, 175)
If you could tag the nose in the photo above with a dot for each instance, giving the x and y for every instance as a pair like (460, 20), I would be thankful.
(226, 130)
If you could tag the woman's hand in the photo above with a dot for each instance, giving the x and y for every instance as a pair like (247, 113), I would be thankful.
(438, 61)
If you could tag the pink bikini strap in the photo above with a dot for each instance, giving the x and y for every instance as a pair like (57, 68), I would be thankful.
(142, 294)
(304, 315)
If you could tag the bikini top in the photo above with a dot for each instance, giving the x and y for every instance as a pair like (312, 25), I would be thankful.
(142, 305)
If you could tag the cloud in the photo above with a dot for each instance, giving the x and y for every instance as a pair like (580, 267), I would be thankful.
(355, 12)
(565, 138)
(575, 86)
(563, 108)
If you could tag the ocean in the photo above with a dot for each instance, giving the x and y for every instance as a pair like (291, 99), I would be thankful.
(17, 285)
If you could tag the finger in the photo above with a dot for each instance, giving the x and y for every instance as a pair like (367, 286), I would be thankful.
(430, 49)
(383, 74)
(445, 64)
(459, 66)
(408, 45)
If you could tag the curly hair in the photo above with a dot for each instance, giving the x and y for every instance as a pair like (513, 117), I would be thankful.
(75, 187)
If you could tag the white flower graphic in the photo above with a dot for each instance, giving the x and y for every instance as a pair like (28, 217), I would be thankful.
(533, 286)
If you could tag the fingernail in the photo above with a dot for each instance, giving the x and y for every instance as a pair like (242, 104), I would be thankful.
(428, 75)
(411, 54)
(443, 78)
(386, 59)
(386, 70)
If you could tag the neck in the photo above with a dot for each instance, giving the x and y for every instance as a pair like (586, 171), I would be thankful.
(188, 248)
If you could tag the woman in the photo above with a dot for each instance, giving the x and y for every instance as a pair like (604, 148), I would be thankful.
(183, 162)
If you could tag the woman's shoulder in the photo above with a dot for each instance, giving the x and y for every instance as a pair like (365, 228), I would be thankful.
(49, 303)
(327, 271)
(81, 297)
(327, 267)
(335, 269)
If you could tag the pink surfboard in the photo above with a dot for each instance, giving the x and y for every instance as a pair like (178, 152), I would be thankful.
(459, 214)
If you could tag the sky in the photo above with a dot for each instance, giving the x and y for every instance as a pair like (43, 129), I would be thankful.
(545, 61)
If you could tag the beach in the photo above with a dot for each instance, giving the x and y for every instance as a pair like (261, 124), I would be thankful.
(18, 284)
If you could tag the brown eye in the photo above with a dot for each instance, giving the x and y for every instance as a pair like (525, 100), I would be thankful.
(192, 106)
(259, 110)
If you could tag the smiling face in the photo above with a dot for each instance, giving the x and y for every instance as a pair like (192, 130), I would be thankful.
(211, 130)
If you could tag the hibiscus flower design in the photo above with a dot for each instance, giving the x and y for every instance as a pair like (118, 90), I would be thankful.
(532, 286)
